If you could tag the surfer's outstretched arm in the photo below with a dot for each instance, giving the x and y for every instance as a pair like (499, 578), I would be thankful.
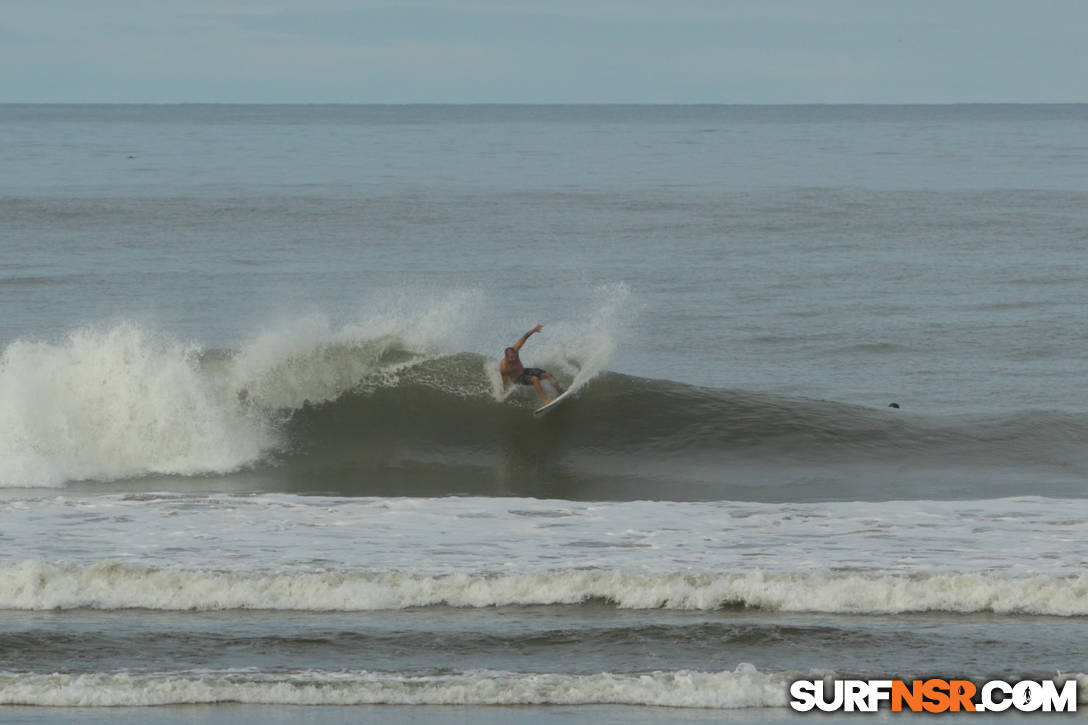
(517, 345)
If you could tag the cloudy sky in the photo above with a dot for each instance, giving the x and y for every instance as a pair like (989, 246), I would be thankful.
(548, 51)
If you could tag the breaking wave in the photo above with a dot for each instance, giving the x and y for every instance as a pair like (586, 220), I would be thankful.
(109, 585)
(390, 404)
(743, 688)
(108, 403)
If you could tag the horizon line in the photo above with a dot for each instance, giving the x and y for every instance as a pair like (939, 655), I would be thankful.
(533, 104)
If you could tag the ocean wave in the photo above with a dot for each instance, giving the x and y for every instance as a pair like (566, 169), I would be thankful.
(744, 687)
(312, 402)
(111, 585)
(113, 403)
(123, 401)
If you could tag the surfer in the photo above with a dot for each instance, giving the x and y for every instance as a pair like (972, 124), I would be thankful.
(514, 372)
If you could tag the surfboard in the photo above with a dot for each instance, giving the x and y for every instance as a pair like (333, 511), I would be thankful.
(556, 401)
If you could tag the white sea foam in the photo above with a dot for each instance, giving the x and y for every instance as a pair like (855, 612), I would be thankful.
(114, 403)
(744, 687)
(310, 359)
(290, 533)
(110, 585)
(123, 401)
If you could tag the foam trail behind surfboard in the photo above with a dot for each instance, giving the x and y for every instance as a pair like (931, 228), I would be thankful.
(593, 341)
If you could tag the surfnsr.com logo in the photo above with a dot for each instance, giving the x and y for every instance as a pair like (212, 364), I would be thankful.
(933, 695)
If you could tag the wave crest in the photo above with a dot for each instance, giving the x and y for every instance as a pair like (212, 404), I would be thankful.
(113, 403)
(742, 688)
(124, 401)
(111, 585)
(391, 406)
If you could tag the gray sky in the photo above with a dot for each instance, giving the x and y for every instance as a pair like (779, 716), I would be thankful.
(549, 51)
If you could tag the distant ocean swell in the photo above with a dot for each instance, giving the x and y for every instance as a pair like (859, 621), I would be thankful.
(123, 402)
(111, 586)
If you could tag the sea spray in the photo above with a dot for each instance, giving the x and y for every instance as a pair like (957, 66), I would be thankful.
(576, 349)
(109, 403)
(125, 401)
(581, 349)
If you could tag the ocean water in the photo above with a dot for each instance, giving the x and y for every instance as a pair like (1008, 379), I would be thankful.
(255, 455)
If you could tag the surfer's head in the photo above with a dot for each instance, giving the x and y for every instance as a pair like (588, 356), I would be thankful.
(511, 353)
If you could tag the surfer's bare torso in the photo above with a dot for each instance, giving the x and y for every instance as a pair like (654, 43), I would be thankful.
(511, 369)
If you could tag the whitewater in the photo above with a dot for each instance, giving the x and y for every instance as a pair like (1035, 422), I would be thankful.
(121, 401)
